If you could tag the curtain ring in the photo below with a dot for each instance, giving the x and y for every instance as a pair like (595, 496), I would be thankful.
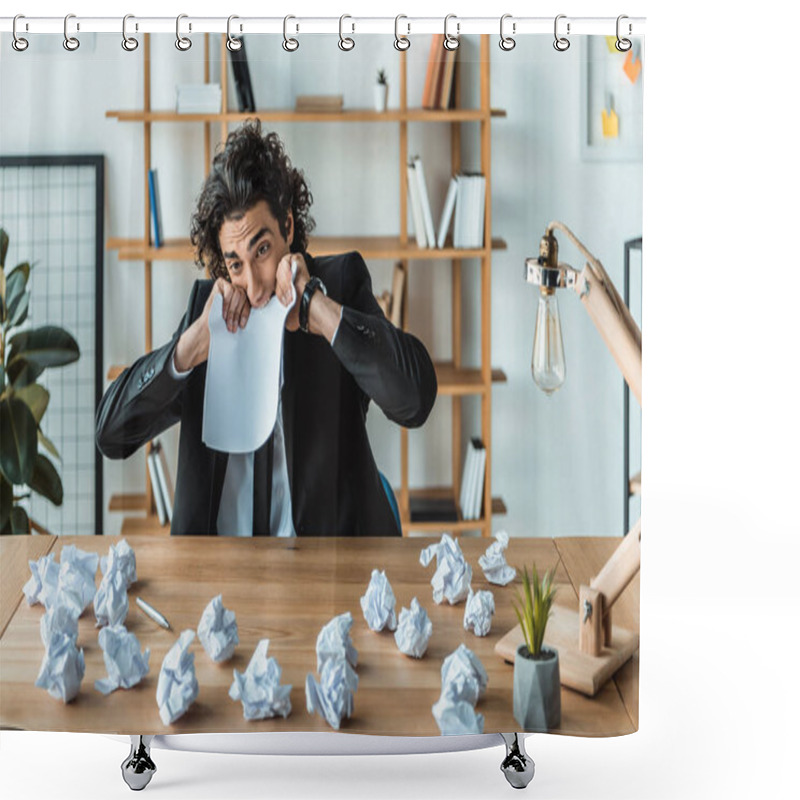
(70, 42)
(401, 42)
(233, 44)
(345, 42)
(623, 45)
(561, 43)
(289, 44)
(128, 42)
(183, 43)
(451, 42)
(507, 42)
(19, 44)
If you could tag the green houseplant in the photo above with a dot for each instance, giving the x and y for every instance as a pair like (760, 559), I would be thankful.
(24, 356)
(537, 681)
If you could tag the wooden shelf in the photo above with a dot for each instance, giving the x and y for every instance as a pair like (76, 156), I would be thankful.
(438, 526)
(290, 115)
(136, 526)
(373, 248)
(454, 381)
(127, 502)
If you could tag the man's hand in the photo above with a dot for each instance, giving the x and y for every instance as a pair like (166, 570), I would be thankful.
(283, 286)
(192, 347)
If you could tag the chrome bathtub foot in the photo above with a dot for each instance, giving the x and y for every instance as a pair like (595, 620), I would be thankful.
(517, 766)
(138, 768)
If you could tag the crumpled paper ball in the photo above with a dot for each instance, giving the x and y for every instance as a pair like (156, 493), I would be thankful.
(493, 561)
(259, 689)
(414, 630)
(122, 557)
(332, 697)
(42, 586)
(126, 665)
(76, 576)
(456, 719)
(378, 603)
(463, 676)
(62, 669)
(334, 641)
(60, 617)
(218, 631)
(453, 575)
(111, 601)
(177, 683)
(478, 613)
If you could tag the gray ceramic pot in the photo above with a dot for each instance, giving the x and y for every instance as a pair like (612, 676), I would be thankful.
(537, 690)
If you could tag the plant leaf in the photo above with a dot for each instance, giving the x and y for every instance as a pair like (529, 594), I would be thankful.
(17, 441)
(19, 521)
(3, 246)
(15, 289)
(48, 346)
(36, 397)
(18, 314)
(21, 373)
(2, 308)
(6, 501)
(45, 480)
(48, 445)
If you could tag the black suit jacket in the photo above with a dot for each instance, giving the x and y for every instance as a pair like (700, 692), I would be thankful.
(335, 485)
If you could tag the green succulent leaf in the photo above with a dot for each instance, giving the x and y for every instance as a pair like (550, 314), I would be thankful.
(36, 397)
(46, 481)
(48, 346)
(48, 445)
(3, 246)
(19, 521)
(17, 440)
(6, 501)
(21, 373)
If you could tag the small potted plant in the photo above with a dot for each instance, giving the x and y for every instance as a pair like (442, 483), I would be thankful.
(381, 91)
(537, 682)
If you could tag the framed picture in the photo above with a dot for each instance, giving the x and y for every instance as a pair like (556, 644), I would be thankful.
(611, 100)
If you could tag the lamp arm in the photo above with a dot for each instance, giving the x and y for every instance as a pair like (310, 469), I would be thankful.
(608, 312)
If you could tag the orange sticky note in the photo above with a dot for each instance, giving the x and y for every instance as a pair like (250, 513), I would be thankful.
(632, 68)
(610, 124)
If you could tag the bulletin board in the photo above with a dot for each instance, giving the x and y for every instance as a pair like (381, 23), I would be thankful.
(611, 100)
(52, 209)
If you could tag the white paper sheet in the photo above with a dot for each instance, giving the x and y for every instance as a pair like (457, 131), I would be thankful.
(243, 377)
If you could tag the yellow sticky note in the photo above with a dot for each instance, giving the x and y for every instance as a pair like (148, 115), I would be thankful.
(610, 124)
(632, 67)
(611, 41)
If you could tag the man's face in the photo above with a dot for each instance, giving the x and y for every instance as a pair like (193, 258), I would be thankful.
(252, 247)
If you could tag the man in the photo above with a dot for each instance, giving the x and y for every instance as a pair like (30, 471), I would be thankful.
(315, 475)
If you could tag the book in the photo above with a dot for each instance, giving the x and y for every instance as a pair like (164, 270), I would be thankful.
(155, 207)
(164, 482)
(466, 477)
(447, 212)
(447, 84)
(479, 482)
(432, 509)
(430, 91)
(416, 206)
(151, 469)
(398, 289)
(330, 103)
(427, 217)
(241, 78)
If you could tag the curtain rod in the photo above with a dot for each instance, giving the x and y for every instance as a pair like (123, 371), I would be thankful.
(350, 25)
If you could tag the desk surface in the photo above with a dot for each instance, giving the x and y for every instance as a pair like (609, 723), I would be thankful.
(286, 590)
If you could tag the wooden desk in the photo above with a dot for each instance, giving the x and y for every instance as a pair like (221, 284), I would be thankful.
(286, 590)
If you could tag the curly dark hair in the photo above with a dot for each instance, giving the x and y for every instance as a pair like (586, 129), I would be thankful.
(250, 168)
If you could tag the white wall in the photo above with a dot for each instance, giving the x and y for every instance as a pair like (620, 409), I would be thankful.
(558, 460)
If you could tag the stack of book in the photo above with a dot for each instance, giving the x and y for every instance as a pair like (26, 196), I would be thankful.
(163, 492)
(465, 202)
(330, 103)
(439, 89)
(472, 480)
(199, 98)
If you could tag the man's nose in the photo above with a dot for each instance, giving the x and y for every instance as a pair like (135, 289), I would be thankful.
(256, 290)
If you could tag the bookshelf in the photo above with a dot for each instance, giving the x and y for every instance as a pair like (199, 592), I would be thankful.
(456, 380)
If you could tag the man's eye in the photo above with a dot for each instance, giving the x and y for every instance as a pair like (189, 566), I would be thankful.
(234, 267)
(262, 250)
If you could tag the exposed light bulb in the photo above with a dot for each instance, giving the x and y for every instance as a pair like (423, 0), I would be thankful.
(547, 362)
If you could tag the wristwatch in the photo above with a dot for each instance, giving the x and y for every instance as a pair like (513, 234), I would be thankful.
(305, 301)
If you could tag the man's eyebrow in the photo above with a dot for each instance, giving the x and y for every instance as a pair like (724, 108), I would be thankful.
(251, 244)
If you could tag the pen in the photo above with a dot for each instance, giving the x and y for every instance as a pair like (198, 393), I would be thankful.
(152, 613)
